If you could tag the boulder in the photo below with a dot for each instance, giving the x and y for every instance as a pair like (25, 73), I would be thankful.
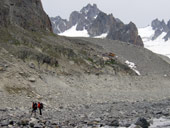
(4, 123)
(32, 65)
(114, 123)
(142, 122)
(38, 125)
(23, 122)
(31, 79)
(31, 124)
(1, 69)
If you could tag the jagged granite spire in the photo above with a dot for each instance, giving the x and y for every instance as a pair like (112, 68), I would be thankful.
(160, 27)
(82, 19)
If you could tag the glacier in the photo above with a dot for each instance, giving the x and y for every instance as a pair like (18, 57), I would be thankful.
(159, 45)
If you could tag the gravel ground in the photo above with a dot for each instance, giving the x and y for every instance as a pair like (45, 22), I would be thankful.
(79, 99)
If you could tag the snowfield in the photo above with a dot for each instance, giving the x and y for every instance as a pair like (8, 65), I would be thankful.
(72, 32)
(159, 45)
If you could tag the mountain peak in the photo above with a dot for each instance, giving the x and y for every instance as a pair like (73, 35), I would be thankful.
(88, 7)
(157, 24)
(90, 10)
(160, 27)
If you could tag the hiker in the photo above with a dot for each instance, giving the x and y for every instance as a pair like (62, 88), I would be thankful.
(34, 108)
(40, 107)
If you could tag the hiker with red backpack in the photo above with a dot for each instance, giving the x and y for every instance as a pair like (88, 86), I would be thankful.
(34, 108)
(40, 107)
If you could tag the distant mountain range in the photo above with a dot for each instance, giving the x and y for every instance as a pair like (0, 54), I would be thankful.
(92, 22)
(156, 37)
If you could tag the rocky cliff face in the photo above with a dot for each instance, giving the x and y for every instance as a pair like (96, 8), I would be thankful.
(62, 25)
(32, 17)
(126, 33)
(160, 27)
(96, 23)
(101, 24)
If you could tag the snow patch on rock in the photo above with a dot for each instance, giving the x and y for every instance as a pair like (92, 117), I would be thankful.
(132, 66)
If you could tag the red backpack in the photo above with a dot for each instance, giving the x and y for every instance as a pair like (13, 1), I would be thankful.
(39, 105)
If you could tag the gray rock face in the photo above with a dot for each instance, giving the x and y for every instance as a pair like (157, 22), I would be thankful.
(167, 36)
(96, 23)
(160, 27)
(156, 24)
(101, 24)
(126, 33)
(157, 33)
(33, 17)
(4, 11)
(168, 24)
(61, 24)
(83, 19)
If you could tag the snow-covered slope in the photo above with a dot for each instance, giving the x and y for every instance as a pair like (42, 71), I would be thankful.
(72, 32)
(159, 45)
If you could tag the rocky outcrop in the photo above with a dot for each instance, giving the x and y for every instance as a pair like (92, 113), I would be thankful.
(168, 24)
(160, 27)
(32, 18)
(157, 33)
(167, 36)
(4, 12)
(116, 29)
(82, 19)
(101, 24)
(156, 24)
(126, 33)
(62, 24)
(96, 23)
(85, 17)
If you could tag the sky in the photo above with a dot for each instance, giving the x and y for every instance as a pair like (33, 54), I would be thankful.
(141, 12)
